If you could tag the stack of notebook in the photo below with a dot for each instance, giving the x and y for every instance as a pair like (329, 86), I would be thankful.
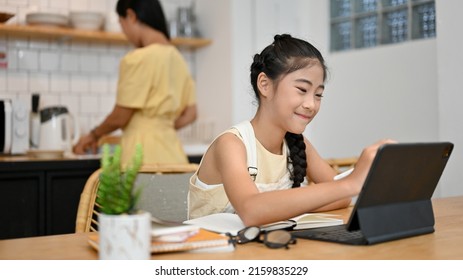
(180, 237)
(173, 237)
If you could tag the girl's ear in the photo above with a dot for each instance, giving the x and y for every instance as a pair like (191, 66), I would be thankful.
(264, 84)
(131, 15)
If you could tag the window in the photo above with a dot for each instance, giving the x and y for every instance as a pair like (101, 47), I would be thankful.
(356, 24)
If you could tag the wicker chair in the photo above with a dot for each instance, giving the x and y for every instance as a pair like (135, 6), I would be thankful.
(342, 164)
(164, 194)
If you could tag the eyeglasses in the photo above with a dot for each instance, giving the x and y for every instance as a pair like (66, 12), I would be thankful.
(272, 239)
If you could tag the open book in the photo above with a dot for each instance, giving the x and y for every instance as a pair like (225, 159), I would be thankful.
(305, 221)
(220, 222)
(231, 223)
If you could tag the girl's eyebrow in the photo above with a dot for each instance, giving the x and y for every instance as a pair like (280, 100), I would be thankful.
(308, 82)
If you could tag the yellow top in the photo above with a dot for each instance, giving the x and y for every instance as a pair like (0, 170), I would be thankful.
(155, 80)
(273, 174)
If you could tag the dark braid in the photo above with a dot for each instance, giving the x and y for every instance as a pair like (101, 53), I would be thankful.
(297, 158)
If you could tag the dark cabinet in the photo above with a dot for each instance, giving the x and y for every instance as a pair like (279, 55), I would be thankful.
(41, 197)
(22, 198)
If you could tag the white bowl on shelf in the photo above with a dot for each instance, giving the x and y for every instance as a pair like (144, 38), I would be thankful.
(47, 19)
(86, 20)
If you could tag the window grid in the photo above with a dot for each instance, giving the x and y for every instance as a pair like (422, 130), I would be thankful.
(356, 24)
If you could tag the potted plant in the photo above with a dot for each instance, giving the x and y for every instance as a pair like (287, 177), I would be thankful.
(124, 231)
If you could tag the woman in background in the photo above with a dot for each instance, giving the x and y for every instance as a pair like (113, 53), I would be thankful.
(155, 92)
(258, 168)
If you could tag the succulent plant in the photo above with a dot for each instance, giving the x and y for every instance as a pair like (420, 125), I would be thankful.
(117, 193)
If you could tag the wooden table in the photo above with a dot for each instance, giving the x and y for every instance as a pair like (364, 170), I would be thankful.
(445, 243)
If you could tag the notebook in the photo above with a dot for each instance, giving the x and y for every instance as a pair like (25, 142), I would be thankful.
(202, 241)
(231, 223)
(395, 201)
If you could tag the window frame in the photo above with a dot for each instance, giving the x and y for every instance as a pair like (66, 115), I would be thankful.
(355, 40)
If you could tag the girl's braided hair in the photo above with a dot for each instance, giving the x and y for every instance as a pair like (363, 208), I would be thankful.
(285, 55)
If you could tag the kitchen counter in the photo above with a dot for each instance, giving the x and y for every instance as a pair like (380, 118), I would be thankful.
(195, 149)
(16, 158)
(41, 195)
(191, 149)
(195, 152)
(66, 157)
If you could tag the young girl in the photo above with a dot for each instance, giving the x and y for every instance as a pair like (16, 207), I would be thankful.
(257, 168)
(155, 92)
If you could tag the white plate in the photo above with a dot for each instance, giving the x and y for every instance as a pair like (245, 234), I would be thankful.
(48, 19)
(46, 154)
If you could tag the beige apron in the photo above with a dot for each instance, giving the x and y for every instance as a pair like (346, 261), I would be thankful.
(213, 199)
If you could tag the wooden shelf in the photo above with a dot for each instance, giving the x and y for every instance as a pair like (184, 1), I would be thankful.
(69, 34)
(192, 43)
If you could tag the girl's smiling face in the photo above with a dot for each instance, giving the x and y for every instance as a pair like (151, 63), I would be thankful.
(296, 97)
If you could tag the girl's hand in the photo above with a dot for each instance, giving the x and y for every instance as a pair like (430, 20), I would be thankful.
(362, 167)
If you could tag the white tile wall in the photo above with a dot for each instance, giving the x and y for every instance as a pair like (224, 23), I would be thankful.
(79, 75)
(17, 81)
(39, 43)
(59, 82)
(69, 62)
(98, 84)
(108, 63)
(2, 81)
(28, 59)
(49, 61)
(79, 83)
(59, 5)
(80, 5)
(89, 63)
(39, 82)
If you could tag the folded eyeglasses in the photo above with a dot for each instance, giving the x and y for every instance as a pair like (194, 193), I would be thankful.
(272, 239)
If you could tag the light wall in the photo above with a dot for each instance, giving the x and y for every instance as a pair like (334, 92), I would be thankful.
(214, 64)
(450, 97)
(383, 92)
(391, 91)
(408, 91)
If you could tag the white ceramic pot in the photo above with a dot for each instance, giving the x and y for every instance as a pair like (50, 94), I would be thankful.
(125, 237)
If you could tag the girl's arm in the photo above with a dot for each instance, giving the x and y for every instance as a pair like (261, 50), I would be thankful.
(118, 118)
(319, 171)
(188, 116)
(256, 208)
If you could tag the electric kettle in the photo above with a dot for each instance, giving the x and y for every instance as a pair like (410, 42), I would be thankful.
(58, 129)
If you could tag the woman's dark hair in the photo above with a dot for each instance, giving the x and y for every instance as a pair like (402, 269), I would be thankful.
(285, 55)
(149, 12)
